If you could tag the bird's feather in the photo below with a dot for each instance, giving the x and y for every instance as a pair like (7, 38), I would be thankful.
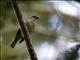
(17, 38)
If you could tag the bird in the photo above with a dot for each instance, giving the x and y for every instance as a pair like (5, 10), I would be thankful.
(30, 25)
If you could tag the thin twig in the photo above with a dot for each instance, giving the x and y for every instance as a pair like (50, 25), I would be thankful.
(25, 31)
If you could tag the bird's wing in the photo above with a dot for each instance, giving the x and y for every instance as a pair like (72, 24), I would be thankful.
(17, 38)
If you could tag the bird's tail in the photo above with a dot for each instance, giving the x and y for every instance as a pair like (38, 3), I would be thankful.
(14, 43)
(17, 38)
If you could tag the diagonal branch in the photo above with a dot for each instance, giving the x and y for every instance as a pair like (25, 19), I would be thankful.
(25, 31)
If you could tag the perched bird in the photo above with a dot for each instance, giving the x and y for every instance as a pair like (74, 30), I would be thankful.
(30, 24)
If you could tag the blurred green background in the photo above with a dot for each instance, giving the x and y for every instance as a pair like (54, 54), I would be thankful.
(9, 26)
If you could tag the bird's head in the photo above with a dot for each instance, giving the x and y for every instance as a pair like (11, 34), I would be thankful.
(35, 17)
(32, 18)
